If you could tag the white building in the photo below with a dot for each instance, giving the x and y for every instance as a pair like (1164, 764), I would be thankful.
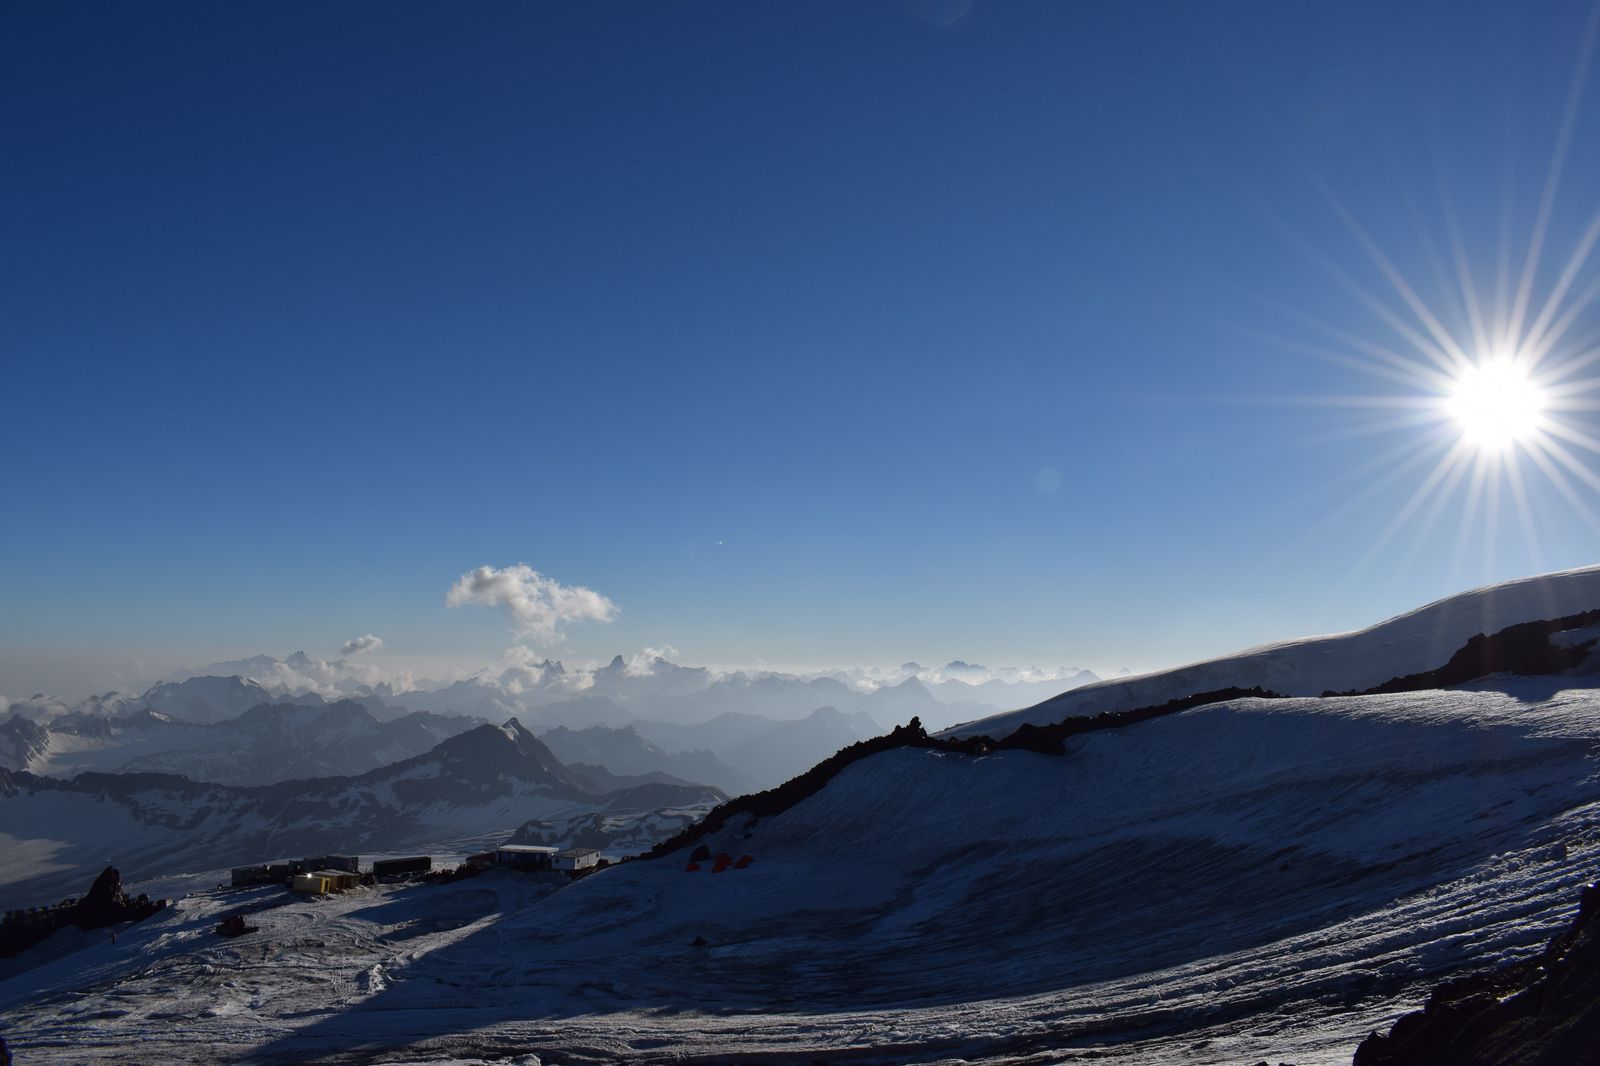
(576, 859)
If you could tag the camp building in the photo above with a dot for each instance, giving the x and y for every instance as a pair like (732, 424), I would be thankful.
(321, 882)
(575, 859)
(525, 856)
(411, 864)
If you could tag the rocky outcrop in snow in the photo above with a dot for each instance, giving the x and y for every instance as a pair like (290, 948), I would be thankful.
(1543, 1011)
(104, 904)
(22, 740)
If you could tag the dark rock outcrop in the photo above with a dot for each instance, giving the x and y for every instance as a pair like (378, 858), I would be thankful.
(1525, 648)
(777, 800)
(1540, 1012)
(104, 904)
(1046, 740)
(1050, 739)
(21, 741)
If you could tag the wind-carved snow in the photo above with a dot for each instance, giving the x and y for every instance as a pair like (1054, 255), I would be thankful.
(1254, 879)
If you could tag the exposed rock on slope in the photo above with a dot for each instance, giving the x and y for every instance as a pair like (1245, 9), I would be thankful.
(1543, 1011)
(1547, 647)
(21, 741)
(104, 904)
(775, 801)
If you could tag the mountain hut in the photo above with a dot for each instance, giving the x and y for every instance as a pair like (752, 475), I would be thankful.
(414, 864)
(250, 875)
(349, 863)
(575, 859)
(526, 856)
(338, 880)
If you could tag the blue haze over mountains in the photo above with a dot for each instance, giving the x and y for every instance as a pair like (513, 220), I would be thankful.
(261, 719)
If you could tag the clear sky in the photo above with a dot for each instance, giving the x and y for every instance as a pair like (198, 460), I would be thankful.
(805, 333)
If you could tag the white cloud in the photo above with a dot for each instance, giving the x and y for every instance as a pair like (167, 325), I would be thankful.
(868, 678)
(357, 645)
(539, 606)
(521, 670)
(643, 662)
(40, 708)
(301, 673)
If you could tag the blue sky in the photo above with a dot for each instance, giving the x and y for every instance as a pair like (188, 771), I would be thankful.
(808, 334)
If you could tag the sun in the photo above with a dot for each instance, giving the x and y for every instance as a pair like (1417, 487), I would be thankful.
(1492, 388)
(1496, 404)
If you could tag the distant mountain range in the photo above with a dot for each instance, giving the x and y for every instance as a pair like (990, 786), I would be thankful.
(485, 777)
(762, 750)
(622, 750)
(737, 752)
(275, 742)
(259, 720)
(548, 694)
(268, 743)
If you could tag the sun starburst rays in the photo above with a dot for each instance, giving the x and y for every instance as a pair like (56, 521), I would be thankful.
(1478, 420)
(1493, 390)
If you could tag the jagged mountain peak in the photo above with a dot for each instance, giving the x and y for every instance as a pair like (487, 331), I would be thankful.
(508, 749)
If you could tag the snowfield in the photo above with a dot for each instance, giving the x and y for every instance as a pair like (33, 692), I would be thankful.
(1347, 662)
(1253, 879)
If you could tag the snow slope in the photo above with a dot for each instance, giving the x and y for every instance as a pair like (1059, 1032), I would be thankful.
(1406, 644)
(1248, 880)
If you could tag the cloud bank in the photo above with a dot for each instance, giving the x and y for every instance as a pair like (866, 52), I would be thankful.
(537, 605)
(357, 645)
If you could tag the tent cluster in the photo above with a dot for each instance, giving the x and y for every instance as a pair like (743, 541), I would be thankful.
(720, 862)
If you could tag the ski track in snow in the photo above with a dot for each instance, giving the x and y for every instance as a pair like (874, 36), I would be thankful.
(1255, 879)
